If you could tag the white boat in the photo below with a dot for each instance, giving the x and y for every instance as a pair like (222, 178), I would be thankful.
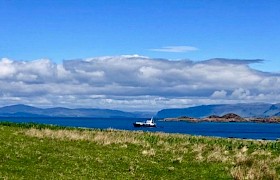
(147, 123)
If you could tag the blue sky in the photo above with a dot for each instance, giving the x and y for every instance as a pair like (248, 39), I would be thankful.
(138, 54)
(72, 29)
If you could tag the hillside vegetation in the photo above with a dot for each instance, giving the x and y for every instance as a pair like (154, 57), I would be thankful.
(31, 151)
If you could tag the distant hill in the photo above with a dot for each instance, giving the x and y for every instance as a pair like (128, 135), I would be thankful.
(22, 110)
(243, 110)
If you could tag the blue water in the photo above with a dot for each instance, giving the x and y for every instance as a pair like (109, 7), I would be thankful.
(269, 131)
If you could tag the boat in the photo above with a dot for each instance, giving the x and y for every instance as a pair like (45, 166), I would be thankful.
(147, 123)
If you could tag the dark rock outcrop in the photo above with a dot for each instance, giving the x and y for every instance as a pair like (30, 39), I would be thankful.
(230, 117)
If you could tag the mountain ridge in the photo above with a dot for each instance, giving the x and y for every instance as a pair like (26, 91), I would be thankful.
(202, 111)
(22, 110)
(242, 109)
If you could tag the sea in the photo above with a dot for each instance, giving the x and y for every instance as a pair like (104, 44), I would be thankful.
(262, 131)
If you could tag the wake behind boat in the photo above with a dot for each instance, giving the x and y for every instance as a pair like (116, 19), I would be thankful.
(147, 123)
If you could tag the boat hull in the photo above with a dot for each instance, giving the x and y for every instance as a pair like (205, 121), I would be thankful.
(143, 125)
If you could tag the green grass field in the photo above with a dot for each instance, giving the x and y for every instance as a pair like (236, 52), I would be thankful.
(30, 151)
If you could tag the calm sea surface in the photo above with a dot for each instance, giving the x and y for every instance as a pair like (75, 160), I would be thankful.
(268, 131)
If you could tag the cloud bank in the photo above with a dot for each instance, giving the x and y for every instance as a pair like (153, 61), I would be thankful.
(134, 83)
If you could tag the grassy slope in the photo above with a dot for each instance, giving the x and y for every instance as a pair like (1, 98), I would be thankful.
(33, 152)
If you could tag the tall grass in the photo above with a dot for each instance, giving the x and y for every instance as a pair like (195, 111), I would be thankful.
(141, 155)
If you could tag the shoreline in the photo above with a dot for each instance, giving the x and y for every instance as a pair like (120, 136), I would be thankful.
(225, 119)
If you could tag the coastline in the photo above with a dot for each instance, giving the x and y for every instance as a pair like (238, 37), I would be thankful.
(226, 118)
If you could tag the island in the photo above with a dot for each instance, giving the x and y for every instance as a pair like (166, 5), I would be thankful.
(230, 117)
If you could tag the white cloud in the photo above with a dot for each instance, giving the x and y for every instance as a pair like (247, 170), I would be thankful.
(7, 69)
(219, 94)
(134, 83)
(240, 93)
(175, 49)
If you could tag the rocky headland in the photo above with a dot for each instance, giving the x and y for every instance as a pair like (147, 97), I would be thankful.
(230, 117)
